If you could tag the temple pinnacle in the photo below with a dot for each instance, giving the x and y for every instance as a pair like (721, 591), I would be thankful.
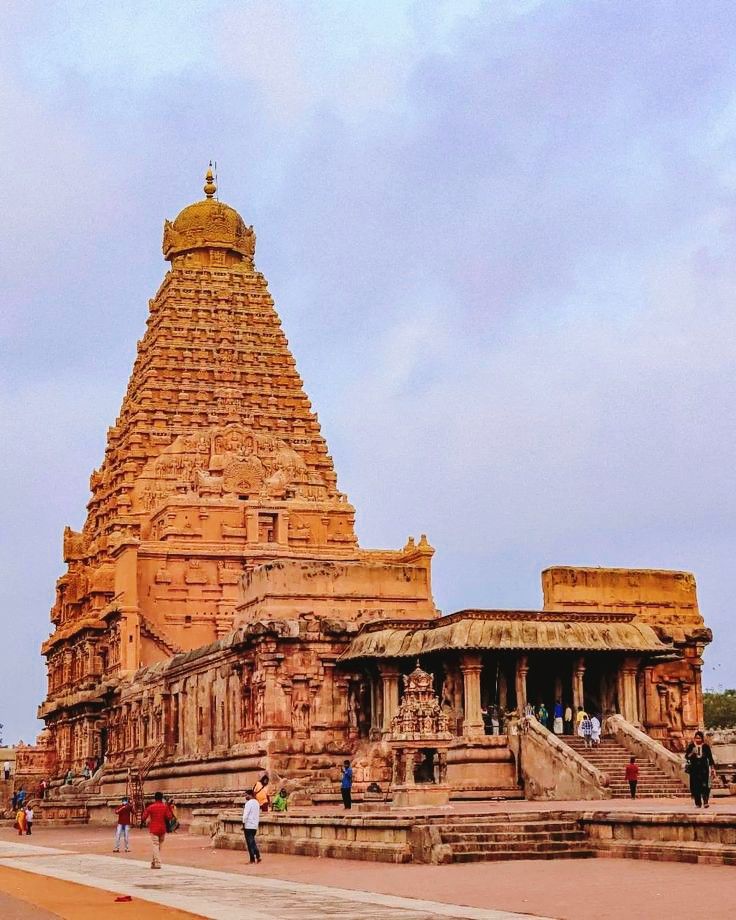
(209, 182)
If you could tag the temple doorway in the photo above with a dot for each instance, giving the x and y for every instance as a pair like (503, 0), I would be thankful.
(600, 684)
(549, 679)
(497, 682)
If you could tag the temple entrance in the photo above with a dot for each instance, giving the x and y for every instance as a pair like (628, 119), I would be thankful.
(600, 684)
(497, 688)
(549, 679)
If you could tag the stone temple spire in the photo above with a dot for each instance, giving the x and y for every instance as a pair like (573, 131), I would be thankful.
(213, 355)
(216, 448)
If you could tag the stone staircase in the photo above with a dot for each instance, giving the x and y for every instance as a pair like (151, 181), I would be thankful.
(508, 836)
(611, 757)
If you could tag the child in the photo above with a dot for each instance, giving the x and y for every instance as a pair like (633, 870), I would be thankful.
(632, 775)
(586, 730)
(279, 802)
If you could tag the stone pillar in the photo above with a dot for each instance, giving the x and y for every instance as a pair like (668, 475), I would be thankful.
(578, 684)
(167, 717)
(503, 693)
(558, 693)
(251, 525)
(376, 708)
(471, 667)
(697, 666)
(522, 669)
(630, 701)
(390, 693)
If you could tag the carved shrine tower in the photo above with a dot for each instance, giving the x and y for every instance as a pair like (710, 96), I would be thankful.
(215, 466)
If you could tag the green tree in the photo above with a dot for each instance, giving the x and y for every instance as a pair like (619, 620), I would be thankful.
(720, 708)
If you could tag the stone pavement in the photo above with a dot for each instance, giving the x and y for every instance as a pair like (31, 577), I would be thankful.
(227, 896)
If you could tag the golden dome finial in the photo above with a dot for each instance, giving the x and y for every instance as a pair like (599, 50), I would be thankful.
(209, 182)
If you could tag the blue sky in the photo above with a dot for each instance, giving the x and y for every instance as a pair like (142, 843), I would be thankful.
(501, 237)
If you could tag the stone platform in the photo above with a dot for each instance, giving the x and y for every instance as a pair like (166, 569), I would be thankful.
(491, 831)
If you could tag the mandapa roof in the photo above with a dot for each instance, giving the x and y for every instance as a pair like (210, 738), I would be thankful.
(516, 630)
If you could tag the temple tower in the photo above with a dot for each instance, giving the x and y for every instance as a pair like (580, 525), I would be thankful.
(215, 467)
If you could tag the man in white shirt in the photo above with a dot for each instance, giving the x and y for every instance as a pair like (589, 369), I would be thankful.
(251, 817)
(6, 770)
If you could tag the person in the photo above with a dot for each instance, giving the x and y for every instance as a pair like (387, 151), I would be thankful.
(579, 716)
(21, 797)
(29, 819)
(632, 775)
(20, 820)
(495, 721)
(260, 791)
(15, 800)
(595, 736)
(280, 801)
(700, 766)
(42, 787)
(529, 711)
(69, 777)
(586, 730)
(251, 817)
(486, 717)
(86, 773)
(346, 785)
(543, 715)
(124, 812)
(6, 770)
(157, 814)
(173, 824)
(557, 721)
(567, 718)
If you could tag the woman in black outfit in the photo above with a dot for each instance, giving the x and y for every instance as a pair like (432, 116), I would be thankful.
(700, 766)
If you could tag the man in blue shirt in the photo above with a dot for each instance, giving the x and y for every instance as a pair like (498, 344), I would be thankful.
(346, 786)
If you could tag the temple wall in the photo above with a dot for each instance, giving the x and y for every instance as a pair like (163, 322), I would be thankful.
(360, 590)
(660, 598)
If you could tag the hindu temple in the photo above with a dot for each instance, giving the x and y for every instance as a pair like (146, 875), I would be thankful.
(218, 617)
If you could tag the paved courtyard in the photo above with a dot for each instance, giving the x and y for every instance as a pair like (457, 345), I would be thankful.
(220, 884)
(225, 895)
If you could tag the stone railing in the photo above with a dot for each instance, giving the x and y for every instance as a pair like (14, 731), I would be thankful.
(550, 769)
(641, 745)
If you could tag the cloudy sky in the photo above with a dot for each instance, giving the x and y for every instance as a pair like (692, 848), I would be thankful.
(501, 236)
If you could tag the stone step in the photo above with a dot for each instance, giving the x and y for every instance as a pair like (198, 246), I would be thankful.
(717, 854)
(521, 846)
(504, 854)
(476, 838)
(505, 818)
(531, 827)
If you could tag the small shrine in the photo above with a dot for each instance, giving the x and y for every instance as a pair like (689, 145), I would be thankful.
(419, 739)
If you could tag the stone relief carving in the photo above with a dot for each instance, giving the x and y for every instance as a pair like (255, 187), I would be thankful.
(233, 460)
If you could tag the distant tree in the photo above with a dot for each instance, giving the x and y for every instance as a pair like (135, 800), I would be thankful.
(720, 708)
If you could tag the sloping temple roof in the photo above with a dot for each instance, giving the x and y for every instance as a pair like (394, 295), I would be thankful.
(491, 629)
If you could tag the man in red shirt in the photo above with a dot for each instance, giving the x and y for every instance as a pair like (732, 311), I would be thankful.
(125, 816)
(157, 814)
(632, 775)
